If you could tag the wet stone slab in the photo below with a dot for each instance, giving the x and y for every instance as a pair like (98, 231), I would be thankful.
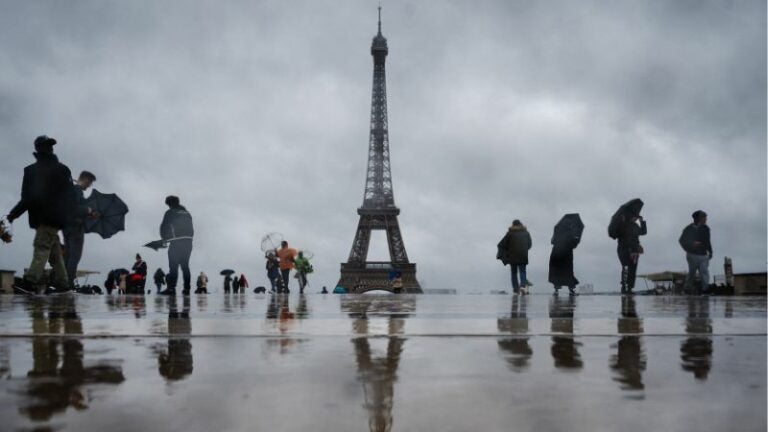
(401, 363)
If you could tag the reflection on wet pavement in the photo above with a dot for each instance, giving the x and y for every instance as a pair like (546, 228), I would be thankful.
(382, 363)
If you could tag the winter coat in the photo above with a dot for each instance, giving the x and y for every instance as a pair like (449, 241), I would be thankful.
(159, 277)
(696, 233)
(80, 212)
(140, 267)
(177, 222)
(47, 193)
(517, 245)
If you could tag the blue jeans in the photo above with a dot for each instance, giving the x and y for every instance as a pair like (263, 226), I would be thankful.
(515, 268)
(696, 263)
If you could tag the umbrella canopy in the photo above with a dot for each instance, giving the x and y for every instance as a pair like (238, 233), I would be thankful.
(628, 209)
(226, 272)
(271, 241)
(157, 244)
(568, 230)
(111, 210)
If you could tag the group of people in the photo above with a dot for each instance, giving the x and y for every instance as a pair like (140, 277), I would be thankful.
(279, 264)
(626, 230)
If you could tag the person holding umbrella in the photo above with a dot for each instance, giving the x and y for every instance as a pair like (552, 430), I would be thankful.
(74, 232)
(177, 230)
(566, 237)
(48, 196)
(625, 229)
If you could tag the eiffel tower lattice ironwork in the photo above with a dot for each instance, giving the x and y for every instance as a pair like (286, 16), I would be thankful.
(378, 211)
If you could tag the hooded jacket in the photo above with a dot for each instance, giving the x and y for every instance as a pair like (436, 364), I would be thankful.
(177, 223)
(518, 244)
(47, 193)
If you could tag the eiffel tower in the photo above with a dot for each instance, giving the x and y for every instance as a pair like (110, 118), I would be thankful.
(378, 211)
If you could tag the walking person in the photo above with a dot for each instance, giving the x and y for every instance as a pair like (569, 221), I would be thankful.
(177, 229)
(74, 232)
(565, 238)
(303, 268)
(698, 251)
(514, 249)
(629, 249)
(47, 194)
(242, 283)
(227, 283)
(287, 256)
(273, 271)
(159, 278)
(202, 284)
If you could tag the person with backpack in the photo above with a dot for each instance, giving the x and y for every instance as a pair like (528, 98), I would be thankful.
(514, 248)
(698, 251)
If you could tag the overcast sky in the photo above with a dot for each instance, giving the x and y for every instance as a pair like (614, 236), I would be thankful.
(257, 113)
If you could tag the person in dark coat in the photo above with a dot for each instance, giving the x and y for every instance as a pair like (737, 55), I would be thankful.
(74, 232)
(48, 196)
(159, 278)
(698, 251)
(629, 249)
(227, 283)
(561, 262)
(273, 271)
(177, 229)
(138, 276)
(517, 242)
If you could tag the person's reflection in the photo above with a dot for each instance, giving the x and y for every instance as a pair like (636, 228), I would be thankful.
(696, 349)
(565, 350)
(139, 306)
(378, 373)
(519, 349)
(175, 362)
(629, 362)
(279, 312)
(202, 303)
(58, 369)
(302, 311)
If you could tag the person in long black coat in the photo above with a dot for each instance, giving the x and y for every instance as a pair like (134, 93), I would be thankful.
(629, 249)
(561, 262)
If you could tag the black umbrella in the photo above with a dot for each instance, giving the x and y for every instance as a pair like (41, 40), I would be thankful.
(568, 230)
(157, 244)
(111, 214)
(226, 272)
(628, 209)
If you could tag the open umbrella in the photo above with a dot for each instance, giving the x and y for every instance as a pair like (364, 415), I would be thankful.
(271, 241)
(111, 214)
(226, 272)
(568, 230)
(628, 209)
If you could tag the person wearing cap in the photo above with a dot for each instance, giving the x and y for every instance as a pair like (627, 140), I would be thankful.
(629, 249)
(698, 251)
(48, 196)
(74, 232)
(177, 230)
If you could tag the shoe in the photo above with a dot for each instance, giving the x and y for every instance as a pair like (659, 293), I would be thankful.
(572, 292)
(168, 292)
(23, 286)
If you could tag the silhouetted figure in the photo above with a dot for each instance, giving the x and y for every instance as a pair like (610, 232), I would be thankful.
(324, 291)
(138, 278)
(698, 251)
(629, 249)
(74, 232)
(48, 195)
(177, 229)
(159, 278)
(176, 362)
(565, 238)
(242, 283)
(227, 283)
(273, 272)
(202, 284)
(513, 250)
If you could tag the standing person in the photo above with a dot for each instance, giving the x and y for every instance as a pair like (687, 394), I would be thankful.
(138, 276)
(202, 284)
(227, 283)
(273, 271)
(698, 251)
(287, 256)
(242, 283)
(47, 193)
(516, 244)
(561, 266)
(159, 279)
(177, 229)
(74, 232)
(122, 283)
(140, 266)
(629, 249)
(303, 268)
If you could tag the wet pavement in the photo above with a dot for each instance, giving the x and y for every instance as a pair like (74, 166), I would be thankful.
(249, 362)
